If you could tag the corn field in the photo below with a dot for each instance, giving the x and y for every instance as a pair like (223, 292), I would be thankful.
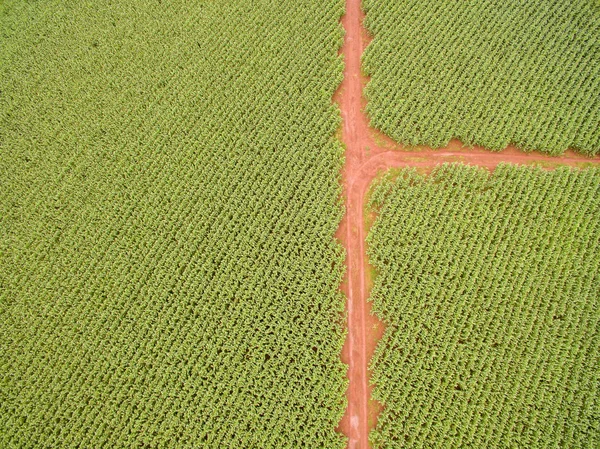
(489, 289)
(170, 191)
(490, 73)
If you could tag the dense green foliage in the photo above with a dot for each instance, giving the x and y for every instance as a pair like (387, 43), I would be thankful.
(488, 72)
(170, 191)
(489, 287)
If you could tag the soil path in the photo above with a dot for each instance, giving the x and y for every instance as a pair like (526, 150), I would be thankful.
(367, 153)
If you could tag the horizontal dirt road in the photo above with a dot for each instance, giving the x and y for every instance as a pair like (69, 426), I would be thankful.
(368, 153)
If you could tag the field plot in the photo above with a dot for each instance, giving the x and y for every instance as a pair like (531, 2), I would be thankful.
(489, 286)
(490, 73)
(170, 192)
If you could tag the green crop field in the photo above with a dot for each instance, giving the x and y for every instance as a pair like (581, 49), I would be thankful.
(488, 72)
(169, 195)
(489, 287)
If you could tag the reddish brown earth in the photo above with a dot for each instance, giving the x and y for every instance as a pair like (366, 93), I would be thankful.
(368, 152)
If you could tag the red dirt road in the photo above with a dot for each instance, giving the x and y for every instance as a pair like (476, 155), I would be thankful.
(367, 153)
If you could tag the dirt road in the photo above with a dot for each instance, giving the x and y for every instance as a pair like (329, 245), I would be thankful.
(367, 153)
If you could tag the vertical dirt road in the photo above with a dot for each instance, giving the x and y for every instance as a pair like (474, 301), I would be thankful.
(367, 153)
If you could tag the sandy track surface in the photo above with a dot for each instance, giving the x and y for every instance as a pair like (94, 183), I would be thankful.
(368, 152)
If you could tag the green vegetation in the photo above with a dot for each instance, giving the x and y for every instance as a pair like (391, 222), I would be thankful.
(488, 72)
(490, 290)
(170, 191)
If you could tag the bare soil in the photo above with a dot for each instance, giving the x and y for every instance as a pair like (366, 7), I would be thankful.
(369, 152)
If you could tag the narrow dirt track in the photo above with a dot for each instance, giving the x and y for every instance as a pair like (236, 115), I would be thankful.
(368, 152)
